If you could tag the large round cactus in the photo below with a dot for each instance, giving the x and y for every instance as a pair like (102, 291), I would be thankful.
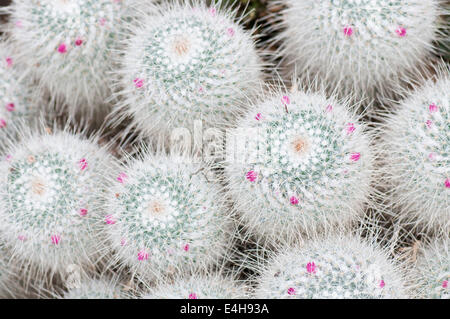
(357, 47)
(51, 186)
(431, 274)
(198, 287)
(186, 63)
(69, 45)
(414, 150)
(332, 267)
(309, 165)
(164, 215)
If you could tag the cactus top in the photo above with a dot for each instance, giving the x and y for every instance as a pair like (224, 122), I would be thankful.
(165, 214)
(309, 164)
(50, 199)
(188, 63)
(331, 268)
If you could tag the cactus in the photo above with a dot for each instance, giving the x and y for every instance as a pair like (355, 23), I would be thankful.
(331, 267)
(69, 45)
(96, 289)
(16, 95)
(414, 153)
(50, 201)
(165, 217)
(186, 63)
(358, 47)
(309, 166)
(198, 287)
(431, 275)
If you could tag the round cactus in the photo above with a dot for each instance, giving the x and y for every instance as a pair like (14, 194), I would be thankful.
(16, 94)
(431, 274)
(95, 289)
(198, 287)
(415, 155)
(69, 46)
(165, 216)
(333, 267)
(309, 165)
(357, 47)
(51, 186)
(187, 63)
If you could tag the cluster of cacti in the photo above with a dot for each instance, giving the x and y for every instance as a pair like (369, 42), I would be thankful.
(325, 149)
(357, 47)
(307, 165)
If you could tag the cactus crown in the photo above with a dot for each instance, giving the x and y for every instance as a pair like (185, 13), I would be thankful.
(335, 267)
(166, 215)
(309, 154)
(186, 63)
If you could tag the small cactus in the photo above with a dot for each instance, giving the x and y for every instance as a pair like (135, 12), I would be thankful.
(165, 216)
(332, 267)
(415, 155)
(309, 165)
(16, 95)
(357, 47)
(69, 46)
(50, 200)
(198, 287)
(185, 63)
(431, 274)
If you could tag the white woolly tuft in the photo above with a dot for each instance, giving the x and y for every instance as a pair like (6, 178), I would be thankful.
(166, 216)
(186, 62)
(342, 266)
(50, 201)
(69, 46)
(414, 155)
(96, 289)
(359, 47)
(298, 163)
